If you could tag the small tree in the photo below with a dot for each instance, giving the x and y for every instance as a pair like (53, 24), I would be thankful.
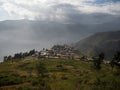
(98, 60)
(112, 63)
(116, 57)
(101, 56)
(5, 58)
(31, 52)
(115, 60)
(41, 69)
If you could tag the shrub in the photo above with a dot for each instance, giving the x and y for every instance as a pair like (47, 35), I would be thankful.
(59, 66)
(10, 80)
(64, 78)
(35, 82)
(41, 69)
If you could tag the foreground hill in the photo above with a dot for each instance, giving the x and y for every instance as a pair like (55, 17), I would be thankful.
(108, 42)
(58, 75)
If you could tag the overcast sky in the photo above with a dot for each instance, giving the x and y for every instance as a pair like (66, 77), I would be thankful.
(55, 9)
(53, 21)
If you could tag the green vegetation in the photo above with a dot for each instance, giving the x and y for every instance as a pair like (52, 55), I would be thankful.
(97, 61)
(41, 69)
(18, 56)
(57, 74)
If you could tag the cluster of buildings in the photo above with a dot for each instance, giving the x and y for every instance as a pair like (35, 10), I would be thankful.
(63, 52)
(57, 51)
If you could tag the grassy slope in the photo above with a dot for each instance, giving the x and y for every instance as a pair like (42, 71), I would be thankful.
(73, 75)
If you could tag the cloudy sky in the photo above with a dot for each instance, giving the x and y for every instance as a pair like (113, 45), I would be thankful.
(28, 24)
(55, 9)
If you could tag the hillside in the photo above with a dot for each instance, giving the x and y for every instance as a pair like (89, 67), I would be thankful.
(107, 42)
(59, 74)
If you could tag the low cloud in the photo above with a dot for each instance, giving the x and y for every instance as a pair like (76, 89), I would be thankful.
(47, 9)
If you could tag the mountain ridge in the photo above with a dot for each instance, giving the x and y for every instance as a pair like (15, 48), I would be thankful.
(107, 42)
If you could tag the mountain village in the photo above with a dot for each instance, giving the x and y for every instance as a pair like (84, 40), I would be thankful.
(57, 51)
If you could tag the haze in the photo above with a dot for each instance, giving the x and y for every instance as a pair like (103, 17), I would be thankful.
(29, 24)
